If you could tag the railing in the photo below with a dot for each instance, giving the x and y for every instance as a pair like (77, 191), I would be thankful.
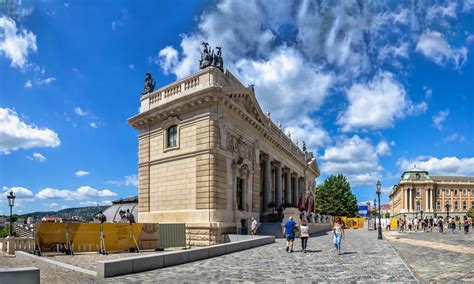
(12, 244)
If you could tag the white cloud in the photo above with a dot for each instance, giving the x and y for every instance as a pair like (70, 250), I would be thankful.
(94, 203)
(377, 104)
(37, 156)
(28, 84)
(439, 118)
(119, 22)
(16, 44)
(51, 205)
(131, 180)
(66, 5)
(20, 192)
(81, 173)
(93, 125)
(168, 58)
(355, 158)
(435, 47)
(383, 149)
(286, 79)
(16, 134)
(428, 92)
(309, 131)
(452, 166)
(46, 81)
(79, 111)
(436, 12)
(131, 66)
(454, 137)
(81, 193)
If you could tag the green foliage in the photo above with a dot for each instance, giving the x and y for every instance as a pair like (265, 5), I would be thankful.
(5, 231)
(470, 213)
(387, 215)
(14, 217)
(334, 197)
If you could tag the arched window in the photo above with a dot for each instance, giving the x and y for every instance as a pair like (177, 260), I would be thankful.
(455, 192)
(464, 205)
(456, 205)
(172, 136)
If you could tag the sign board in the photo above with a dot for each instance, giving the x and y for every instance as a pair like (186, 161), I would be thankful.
(363, 211)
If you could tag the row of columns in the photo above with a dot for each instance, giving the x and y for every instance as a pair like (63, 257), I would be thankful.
(429, 199)
(291, 182)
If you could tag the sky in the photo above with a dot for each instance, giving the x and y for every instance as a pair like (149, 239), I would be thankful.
(372, 87)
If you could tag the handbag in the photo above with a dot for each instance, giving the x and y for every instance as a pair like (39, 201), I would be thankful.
(304, 235)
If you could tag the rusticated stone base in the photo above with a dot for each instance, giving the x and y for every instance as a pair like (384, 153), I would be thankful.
(207, 234)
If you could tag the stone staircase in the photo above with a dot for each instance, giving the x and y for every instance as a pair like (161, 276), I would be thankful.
(270, 229)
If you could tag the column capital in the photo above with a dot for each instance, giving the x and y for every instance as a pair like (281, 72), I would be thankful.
(285, 170)
(293, 174)
(276, 164)
(265, 156)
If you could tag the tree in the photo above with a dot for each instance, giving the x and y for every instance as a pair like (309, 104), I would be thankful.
(387, 215)
(334, 197)
(470, 213)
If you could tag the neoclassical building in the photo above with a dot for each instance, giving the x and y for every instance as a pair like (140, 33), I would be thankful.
(418, 194)
(209, 157)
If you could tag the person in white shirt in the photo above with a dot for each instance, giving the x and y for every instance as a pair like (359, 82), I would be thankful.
(254, 226)
(304, 235)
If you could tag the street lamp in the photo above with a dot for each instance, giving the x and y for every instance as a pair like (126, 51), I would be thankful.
(447, 209)
(11, 202)
(378, 191)
(375, 214)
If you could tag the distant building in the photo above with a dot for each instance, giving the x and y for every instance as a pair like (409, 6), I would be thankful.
(119, 207)
(418, 194)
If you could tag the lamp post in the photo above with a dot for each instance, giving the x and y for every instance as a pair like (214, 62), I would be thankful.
(11, 202)
(421, 212)
(378, 191)
(375, 214)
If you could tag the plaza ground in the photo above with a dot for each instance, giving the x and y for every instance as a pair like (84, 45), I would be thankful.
(407, 258)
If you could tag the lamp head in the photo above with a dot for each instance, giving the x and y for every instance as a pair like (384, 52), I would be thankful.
(11, 198)
(379, 186)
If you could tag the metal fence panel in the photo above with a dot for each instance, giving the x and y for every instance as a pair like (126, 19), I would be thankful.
(172, 235)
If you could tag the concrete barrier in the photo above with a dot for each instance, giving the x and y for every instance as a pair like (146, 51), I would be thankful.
(136, 264)
(23, 275)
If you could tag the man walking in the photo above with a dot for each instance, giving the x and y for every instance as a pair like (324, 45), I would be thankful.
(290, 233)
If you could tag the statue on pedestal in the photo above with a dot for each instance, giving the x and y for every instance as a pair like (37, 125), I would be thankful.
(149, 84)
(101, 217)
(206, 58)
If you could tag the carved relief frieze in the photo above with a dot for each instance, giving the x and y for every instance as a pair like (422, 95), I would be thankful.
(238, 147)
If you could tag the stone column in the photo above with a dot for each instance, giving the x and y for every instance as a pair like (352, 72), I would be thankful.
(278, 188)
(410, 191)
(432, 202)
(267, 186)
(295, 189)
(287, 186)
(427, 195)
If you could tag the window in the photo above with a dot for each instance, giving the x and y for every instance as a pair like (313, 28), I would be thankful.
(418, 207)
(472, 204)
(438, 192)
(417, 192)
(240, 193)
(448, 192)
(171, 138)
(438, 204)
(455, 192)
(456, 205)
(464, 205)
(472, 192)
(465, 192)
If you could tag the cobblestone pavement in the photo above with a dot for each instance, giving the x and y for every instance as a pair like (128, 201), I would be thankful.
(436, 257)
(48, 273)
(365, 259)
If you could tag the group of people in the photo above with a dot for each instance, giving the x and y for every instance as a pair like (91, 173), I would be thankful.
(291, 228)
(440, 223)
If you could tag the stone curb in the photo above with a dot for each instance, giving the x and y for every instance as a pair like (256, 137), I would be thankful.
(129, 265)
(25, 275)
(22, 254)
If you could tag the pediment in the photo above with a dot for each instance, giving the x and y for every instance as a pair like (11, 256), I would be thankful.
(247, 101)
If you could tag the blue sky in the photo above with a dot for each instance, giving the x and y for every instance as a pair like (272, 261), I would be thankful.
(372, 88)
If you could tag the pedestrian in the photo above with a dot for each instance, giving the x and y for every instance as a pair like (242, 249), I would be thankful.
(338, 231)
(416, 224)
(440, 225)
(254, 226)
(453, 225)
(304, 235)
(466, 225)
(290, 233)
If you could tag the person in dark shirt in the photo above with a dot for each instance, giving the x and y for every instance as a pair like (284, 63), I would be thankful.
(290, 234)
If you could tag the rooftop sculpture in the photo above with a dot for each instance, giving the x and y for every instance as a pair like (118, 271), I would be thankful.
(149, 84)
(208, 58)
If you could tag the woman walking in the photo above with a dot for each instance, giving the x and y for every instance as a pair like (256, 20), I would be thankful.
(304, 235)
(338, 231)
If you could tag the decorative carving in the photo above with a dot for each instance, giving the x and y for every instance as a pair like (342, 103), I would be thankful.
(304, 146)
(238, 147)
(244, 170)
(149, 84)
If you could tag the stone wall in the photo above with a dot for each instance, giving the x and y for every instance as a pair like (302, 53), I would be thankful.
(206, 234)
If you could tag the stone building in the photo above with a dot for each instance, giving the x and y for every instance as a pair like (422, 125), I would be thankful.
(209, 157)
(419, 194)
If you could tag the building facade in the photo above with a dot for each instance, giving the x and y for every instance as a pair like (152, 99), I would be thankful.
(209, 157)
(418, 195)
